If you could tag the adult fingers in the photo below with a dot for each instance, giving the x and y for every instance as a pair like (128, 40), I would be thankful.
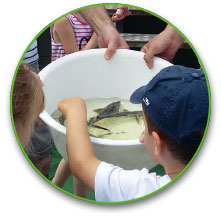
(116, 42)
(148, 57)
(111, 49)
(144, 49)
(122, 43)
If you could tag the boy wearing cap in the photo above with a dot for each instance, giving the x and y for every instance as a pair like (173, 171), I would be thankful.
(175, 106)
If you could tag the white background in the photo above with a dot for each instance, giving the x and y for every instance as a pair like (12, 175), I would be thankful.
(24, 194)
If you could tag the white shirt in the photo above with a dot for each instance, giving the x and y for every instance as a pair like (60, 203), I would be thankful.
(113, 184)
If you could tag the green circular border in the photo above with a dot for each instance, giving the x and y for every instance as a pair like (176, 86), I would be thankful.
(202, 66)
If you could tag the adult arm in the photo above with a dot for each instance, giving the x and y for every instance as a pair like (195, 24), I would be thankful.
(82, 160)
(164, 45)
(108, 36)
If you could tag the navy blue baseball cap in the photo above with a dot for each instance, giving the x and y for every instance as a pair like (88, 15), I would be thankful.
(177, 101)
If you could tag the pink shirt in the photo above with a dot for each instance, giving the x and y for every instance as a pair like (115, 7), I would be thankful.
(82, 31)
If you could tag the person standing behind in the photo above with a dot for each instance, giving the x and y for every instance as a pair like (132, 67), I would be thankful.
(71, 34)
(31, 57)
(27, 103)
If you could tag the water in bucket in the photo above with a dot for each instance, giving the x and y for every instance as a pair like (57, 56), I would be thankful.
(112, 118)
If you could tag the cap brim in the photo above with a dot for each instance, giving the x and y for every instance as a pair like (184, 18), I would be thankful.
(137, 96)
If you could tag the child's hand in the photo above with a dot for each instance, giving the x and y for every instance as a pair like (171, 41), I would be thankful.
(72, 106)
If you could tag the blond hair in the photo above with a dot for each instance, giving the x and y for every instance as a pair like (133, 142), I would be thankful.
(27, 97)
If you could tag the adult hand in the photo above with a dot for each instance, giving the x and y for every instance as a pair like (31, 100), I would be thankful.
(110, 38)
(164, 45)
(107, 35)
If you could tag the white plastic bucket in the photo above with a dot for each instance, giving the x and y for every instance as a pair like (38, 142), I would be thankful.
(88, 74)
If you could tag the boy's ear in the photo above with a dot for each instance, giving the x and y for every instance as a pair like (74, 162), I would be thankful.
(159, 143)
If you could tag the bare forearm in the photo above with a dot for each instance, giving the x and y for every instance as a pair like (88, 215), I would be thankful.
(62, 173)
(174, 35)
(81, 156)
(97, 17)
(78, 142)
(107, 35)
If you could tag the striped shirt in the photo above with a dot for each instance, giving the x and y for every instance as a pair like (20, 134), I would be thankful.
(32, 54)
(82, 31)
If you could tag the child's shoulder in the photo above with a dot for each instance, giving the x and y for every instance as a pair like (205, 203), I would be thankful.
(61, 22)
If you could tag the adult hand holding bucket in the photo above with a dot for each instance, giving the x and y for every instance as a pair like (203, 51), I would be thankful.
(108, 36)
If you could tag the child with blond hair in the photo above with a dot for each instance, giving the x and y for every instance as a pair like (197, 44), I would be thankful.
(27, 102)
